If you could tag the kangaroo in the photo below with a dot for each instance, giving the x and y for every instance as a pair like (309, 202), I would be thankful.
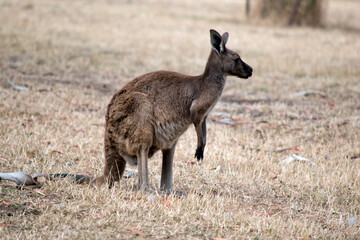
(152, 111)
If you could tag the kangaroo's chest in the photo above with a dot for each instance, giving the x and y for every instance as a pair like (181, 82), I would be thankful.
(213, 105)
(206, 102)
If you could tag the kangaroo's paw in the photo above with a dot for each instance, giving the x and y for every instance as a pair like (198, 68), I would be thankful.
(199, 154)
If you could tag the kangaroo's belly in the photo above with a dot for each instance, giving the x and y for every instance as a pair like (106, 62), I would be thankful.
(167, 133)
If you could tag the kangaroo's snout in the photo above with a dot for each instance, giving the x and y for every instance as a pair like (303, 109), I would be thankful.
(247, 70)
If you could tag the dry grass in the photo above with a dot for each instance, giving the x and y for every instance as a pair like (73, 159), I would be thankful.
(73, 55)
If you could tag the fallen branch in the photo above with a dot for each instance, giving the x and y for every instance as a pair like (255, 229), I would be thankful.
(309, 93)
(20, 178)
(24, 179)
(295, 158)
(16, 87)
(285, 149)
(131, 172)
(81, 178)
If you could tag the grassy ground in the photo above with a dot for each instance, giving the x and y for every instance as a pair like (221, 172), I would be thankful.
(73, 55)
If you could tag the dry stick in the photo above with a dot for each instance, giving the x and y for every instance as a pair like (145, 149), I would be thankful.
(20, 178)
(294, 12)
(269, 151)
(309, 93)
(16, 87)
(283, 149)
(25, 179)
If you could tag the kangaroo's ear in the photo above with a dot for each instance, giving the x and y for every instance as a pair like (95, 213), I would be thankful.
(216, 41)
(225, 37)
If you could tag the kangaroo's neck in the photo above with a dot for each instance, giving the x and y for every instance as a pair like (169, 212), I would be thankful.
(214, 71)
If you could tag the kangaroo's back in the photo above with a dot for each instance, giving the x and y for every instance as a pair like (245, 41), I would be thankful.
(156, 104)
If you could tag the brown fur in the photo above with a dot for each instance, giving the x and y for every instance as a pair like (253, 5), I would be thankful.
(152, 111)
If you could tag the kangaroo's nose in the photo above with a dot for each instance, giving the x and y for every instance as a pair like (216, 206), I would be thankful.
(250, 70)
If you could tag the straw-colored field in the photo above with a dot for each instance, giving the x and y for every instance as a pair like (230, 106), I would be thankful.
(74, 55)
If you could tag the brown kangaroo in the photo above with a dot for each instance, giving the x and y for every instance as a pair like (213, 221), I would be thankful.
(152, 111)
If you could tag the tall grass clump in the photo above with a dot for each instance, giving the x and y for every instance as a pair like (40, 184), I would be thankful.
(292, 12)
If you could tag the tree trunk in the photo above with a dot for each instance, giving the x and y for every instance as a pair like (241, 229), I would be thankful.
(247, 7)
(294, 12)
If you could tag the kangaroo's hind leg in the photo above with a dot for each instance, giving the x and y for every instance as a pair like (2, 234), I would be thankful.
(166, 182)
(143, 172)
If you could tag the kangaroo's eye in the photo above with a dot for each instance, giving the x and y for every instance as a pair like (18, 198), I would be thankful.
(237, 60)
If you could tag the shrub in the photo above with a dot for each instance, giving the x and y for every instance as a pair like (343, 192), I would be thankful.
(299, 12)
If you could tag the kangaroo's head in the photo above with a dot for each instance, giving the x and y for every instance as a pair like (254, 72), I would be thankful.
(230, 60)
